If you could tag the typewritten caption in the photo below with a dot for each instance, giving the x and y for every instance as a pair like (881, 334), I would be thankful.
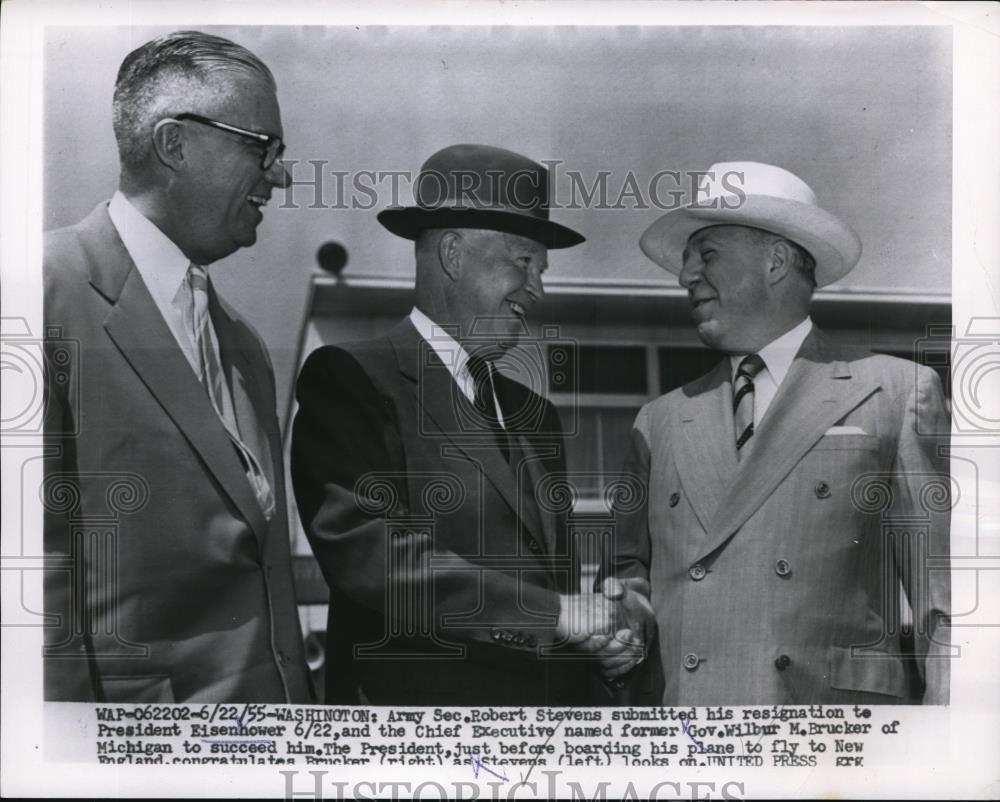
(491, 740)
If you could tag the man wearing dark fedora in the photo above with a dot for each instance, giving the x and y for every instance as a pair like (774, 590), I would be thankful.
(801, 497)
(415, 464)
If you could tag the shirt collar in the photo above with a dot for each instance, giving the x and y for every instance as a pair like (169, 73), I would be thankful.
(778, 354)
(447, 348)
(162, 265)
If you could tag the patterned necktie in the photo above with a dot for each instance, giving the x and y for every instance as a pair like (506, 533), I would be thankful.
(214, 381)
(481, 371)
(743, 398)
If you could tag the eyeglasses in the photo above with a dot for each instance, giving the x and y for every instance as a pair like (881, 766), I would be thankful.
(273, 146)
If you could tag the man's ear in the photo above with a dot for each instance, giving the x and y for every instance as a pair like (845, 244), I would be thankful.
(168, 144)
(781, 261)
(450, 254)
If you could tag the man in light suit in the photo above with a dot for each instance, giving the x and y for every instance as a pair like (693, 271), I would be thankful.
(418, 468)
(166, 536)
(796, 487)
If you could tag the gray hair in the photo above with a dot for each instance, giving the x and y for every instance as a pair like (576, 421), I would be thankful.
(156, 78)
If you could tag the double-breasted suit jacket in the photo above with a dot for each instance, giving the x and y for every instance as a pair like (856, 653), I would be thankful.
(444, 569)
(776, 576)
(166, 582)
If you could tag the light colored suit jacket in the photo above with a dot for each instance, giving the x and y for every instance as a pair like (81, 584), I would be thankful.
(165, 582)
(444, 571)
(775, 577)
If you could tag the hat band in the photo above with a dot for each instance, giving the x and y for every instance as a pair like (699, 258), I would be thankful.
(453, 205)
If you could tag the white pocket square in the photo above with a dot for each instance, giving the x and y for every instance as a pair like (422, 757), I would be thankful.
(844, 430)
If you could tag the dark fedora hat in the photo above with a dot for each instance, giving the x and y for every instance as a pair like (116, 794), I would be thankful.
(479, 186)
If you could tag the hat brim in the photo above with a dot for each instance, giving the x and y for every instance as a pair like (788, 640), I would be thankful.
(832, 243)
(410, 221)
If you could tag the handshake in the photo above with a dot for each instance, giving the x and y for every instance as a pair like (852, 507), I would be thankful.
(615, 625)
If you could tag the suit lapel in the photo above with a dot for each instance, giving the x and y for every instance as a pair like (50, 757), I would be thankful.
(139, 331)
(532, 459)
(705, 452)
(818, 391)
(444, 408)
(530, 474)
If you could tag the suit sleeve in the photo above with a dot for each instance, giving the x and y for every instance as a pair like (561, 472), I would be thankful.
(69, 668)
(922, 491)
(631, 548)
(344, 429)
(629, 561)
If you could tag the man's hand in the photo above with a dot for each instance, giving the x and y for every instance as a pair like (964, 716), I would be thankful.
(614, 625)
(584, 617)
(633, 610)
(636, 625)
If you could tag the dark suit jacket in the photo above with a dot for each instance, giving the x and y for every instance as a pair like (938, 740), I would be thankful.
(775, 578)
(444, 570)
(165, 581)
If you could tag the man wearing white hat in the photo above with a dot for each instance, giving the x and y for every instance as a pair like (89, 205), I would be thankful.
(772, 541)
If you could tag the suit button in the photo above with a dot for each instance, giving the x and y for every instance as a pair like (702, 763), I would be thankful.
(534, 547)
(691, 661)
(496, 634)
(822, 490)
(782, 568)
(674, 499)
(782, 662)
(697, 572)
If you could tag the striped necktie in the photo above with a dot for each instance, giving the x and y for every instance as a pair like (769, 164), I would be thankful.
(211, 375)
(743, 398)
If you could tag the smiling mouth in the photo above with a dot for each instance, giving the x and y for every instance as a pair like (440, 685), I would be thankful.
(516, 308)
(257, 201)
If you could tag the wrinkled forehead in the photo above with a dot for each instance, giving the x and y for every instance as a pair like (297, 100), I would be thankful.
(519, 246)
(513, 246)
(721, 235)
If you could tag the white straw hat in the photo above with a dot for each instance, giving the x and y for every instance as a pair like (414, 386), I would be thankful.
(760, 196)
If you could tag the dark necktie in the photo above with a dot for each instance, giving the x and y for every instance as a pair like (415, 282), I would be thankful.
(481, 371)
(743, 397)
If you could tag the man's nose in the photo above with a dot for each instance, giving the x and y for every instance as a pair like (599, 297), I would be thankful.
(534, 285)
(690, 273)
(278, 175)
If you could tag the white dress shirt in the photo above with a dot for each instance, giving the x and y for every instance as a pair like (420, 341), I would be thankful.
(163, 268)
(453, 355)
(777, 355)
